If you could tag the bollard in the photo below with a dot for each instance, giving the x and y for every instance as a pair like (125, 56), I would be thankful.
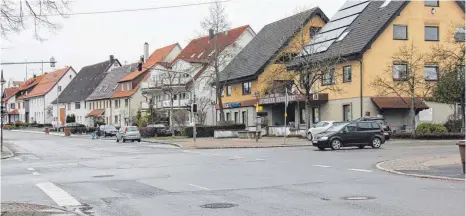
(67, 132)
(47, 130)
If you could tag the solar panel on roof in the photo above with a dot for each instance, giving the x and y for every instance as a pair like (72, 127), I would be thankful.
(317, 48)
(339, 23)
(327, 35)
(351, 3)
(350, 11)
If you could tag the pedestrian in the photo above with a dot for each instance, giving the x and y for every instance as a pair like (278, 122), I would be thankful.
(98, 131)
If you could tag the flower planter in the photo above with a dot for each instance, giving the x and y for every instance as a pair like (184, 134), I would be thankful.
(67, 132)
(461, 149)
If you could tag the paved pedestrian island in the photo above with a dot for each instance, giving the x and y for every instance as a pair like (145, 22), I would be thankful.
(23, 209)
(447, 167)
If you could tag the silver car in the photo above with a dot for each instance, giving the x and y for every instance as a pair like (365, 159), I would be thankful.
(128, 133)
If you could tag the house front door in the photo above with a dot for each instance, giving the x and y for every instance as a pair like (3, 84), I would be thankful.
(62, 116)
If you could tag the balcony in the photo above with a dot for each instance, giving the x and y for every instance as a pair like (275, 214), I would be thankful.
(176, 103)
(159, 83)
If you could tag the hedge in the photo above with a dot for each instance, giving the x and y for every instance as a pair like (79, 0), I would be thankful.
(433, 136)
(208, 131)
(147, 132)
(431, 128)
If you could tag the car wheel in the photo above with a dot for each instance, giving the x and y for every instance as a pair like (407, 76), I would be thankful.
(123, 140)
(336, 144)
(309, 136)
(117, 139)
(387, 138)
(321, 148)
(376, 142)
(139, 140)
(132, 140)
(361, 146)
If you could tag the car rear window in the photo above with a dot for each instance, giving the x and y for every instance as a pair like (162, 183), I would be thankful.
(364, 126)
(375, 125)
(131, 129)
(381, 121)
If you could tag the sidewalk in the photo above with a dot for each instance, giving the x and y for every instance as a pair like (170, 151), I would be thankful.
(211, 143)
(25, 209)
(6, 153)
(447, 168)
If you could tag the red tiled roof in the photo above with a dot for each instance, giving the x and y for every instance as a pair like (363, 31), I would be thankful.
(13, 112)
(46, 83)
(156, 57)
(198, 50)
(120, 94)
(398, 103)
(31, 82)
(9, 92)
(96, 112)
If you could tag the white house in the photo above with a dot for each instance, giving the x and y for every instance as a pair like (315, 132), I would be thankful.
(11, 106)
(38, 100)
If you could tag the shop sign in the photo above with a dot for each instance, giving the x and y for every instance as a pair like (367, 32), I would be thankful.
(277, 98)
(232, 105)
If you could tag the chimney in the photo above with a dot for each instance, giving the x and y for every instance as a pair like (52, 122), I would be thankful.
(112, 58)
(146, 51)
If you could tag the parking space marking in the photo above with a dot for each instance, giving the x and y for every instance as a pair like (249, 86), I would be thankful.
(361, 170)
(197, 186)
(323, 166)
(58, 195)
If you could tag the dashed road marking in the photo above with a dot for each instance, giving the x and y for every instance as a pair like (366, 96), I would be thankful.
(58, 195)
(361, 170)
(324, 166)
(36, 173)
(197, 186)
(238, 157)
(260, 159)
(31, 169)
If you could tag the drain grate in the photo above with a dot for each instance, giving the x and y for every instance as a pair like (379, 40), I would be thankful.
(356, 198)
(218, 205)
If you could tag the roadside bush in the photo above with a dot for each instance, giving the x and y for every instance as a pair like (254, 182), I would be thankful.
(453, 125)
(208, 131)
(147, 132)
(432, 136)
(78, 130)
(430, 128)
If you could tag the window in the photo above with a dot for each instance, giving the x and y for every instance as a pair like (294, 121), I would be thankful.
(347, 74)
(69, 106)
(71, 76)
(175, 97)
(84, 104)
(400, 71)
(431, 72)
(347, 112)
(12, 106)
(77, 105)
(126, 102)
(246, 88)
(329, 78)
(228, 90)
(459, 34)
(431, 3)
(351, 127)
(286, 57)
(400, 32)
(236, 117)
(313, 31)
(116, 103)
(228, 117)
(244, 118)
(365, 126)
(315, 115)
(223, 92)
(59, 88)
(122, 87)
(109, 104)
(431, 33)
(116, 120)
(375, 125)
(128, 86)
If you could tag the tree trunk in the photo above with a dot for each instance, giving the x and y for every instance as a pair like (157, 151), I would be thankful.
(171, 117)
(413, 113)
(220, 105)
(308, 113)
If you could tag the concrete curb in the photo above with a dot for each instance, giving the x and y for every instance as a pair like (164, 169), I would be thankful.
(246, 147)
(380, 167)
(7, 156)
(161, 142)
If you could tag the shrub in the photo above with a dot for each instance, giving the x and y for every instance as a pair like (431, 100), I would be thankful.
(430, 128)
(78, 130)
(453, 125)
(433, 136)
(147, 132)
(208, 131)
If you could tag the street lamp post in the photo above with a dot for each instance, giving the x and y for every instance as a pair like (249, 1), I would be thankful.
(2, 81)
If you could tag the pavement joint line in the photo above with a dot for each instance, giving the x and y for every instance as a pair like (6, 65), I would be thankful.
(380, 167)
(36, 173)
(323, 166)
(197, 186)
(58, 195)
(361, 170)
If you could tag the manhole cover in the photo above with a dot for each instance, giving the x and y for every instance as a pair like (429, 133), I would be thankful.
(358, 198)
(218, 205)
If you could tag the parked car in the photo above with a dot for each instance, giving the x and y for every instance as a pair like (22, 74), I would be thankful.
(70, 125)
(163, 130)
(107, 130)
(320, 127)
(128, 133)
(355, 133)
(386, 127)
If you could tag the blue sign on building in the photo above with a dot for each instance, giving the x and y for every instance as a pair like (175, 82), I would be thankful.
(233, 105)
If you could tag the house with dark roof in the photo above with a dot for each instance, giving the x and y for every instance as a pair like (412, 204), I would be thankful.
(38, 102)
(71, 100)
(261, 62)
(366, 35)
(195, 60)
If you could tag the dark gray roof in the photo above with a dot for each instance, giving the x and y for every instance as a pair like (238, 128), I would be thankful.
(85, 82)
(252, 59)
(461, 4)
(363, 31)
(106, 88)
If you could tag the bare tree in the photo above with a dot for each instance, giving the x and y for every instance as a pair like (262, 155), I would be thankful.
(180, 117)
(404, 77)
(203, 104)
(15, 14)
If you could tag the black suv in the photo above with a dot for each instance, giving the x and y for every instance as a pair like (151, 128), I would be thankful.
(386, 127)
(358, 134)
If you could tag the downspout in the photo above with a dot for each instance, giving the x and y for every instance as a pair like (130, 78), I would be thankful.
(360, 86)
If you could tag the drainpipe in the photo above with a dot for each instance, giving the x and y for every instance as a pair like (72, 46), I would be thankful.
(361, 86)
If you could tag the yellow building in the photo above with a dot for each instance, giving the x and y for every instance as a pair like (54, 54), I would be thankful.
(366, 34)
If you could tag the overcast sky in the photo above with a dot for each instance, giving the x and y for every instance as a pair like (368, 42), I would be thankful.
(89, 39)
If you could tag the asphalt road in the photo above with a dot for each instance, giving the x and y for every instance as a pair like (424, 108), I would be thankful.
(102, 177)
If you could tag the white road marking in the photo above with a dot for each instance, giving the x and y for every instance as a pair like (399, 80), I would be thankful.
(18, 159)
(31, 169)
(324, 166)
(259, 159)
(361, 170)
(36, 173)
(197, 186)
(58, 195)
(238, 157)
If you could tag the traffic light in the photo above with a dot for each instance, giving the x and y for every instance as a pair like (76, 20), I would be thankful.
(194, 108)
(3, 110)
(141, 61)
(52, 62)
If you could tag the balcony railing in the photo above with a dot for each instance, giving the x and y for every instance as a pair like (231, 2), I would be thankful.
(160, 82)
